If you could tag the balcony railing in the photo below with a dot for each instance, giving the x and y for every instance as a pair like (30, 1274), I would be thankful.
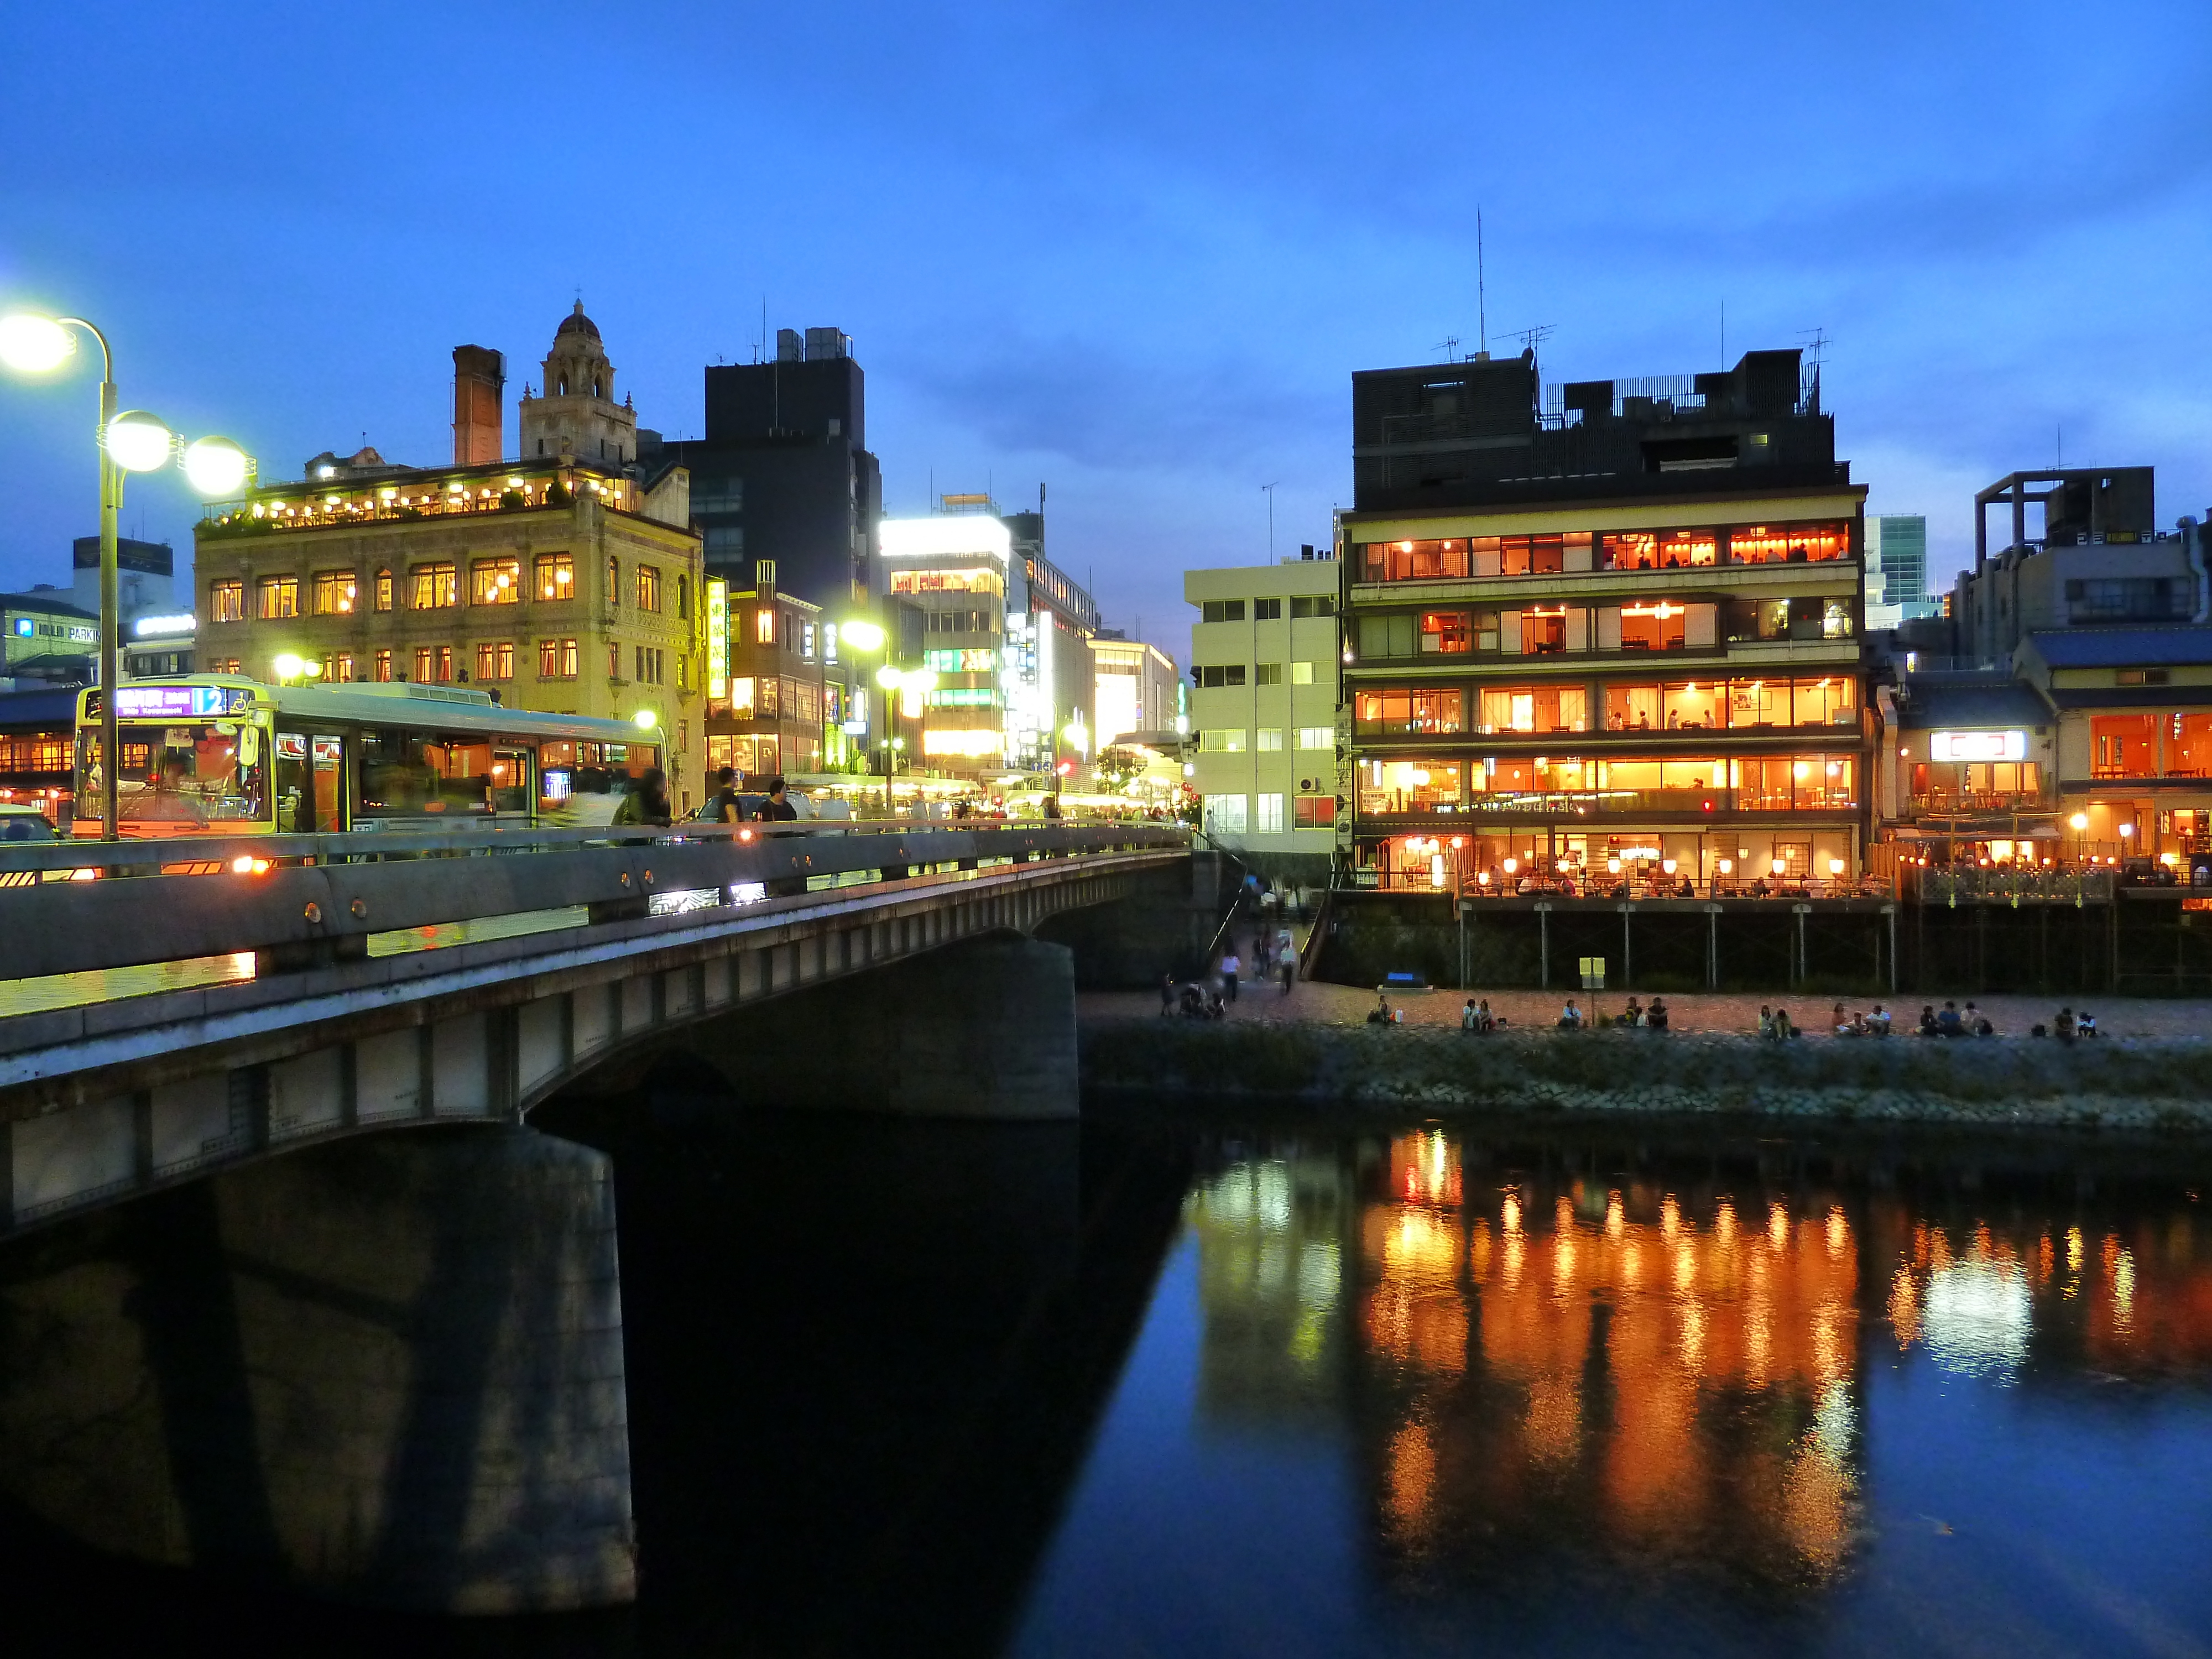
(2004, 882)
(1955, 803)
(1614, 802)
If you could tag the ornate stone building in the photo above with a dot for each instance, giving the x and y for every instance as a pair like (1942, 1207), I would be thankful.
(575, 413)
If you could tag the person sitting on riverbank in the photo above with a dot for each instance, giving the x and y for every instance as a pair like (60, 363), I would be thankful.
(1783, 1031)
(1843, 1025)
(1927, 1027)
(2084, 1024)
(1655, 1017)
(1467, 1021)
(1570, 1017)
(1766, 1020)
(1947, 1023)
(1976, 1023)
(1632, 1015)
(1380, 1013)
(2062, 1028)
(1484, 1019)
(1878, 1021)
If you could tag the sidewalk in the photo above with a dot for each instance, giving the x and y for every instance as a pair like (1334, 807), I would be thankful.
(1347, 1004)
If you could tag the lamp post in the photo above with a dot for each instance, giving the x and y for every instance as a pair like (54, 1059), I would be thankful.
(131, 441)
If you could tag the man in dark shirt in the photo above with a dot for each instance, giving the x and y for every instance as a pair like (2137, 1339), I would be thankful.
(775, 809)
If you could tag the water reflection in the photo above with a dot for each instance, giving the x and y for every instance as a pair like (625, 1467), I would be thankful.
(1655, 1372)
(1733, 1397)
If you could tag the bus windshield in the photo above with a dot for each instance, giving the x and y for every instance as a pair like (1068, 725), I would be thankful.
(184, 774)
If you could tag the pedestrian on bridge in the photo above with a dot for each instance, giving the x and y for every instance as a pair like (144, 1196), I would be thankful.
(727, 806)
(647, 803)
(776, 809)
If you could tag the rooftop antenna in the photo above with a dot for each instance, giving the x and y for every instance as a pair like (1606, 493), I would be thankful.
(1481, 291)
(1816, 345)
(1723, 334)
(1449, 347)
(1268, 489)
(1530, 338)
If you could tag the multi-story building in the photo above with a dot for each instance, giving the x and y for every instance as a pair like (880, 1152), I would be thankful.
(1897, 572)
(1264, 694)
(2072, 716)
(1135, 689)
(49, 640)
(949, 578)
(145, 577)
(1005, 631)
(1604, 635)
(770, 713)
(563, 585)
(784, 473)
(2099, 559)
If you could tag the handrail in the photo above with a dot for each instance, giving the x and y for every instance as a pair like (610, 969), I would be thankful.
(154, 852)
(297, 916)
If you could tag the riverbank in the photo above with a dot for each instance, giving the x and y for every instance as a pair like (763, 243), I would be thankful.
(2159, 1084)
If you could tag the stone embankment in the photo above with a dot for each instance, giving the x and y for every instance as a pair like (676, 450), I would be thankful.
(2160, 1085)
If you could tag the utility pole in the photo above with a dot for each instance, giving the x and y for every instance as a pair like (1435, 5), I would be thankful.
(1270, 491)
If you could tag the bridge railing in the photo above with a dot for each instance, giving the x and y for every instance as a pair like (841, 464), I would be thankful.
(306, 900)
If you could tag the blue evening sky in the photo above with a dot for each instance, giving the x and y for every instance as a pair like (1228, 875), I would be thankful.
(1135, 250)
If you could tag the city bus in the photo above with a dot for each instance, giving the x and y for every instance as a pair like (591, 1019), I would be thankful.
(216, 754)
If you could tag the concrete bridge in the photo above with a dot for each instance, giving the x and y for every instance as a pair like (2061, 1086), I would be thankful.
(391, 1366)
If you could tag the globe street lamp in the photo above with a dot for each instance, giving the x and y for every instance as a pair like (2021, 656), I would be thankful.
(131, 441)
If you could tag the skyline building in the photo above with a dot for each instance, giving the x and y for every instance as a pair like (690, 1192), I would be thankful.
(1897, 572)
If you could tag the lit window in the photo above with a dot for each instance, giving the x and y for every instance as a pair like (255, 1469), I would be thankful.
(433, 587)
(280, 597)
(1317, 736)
(1302, 673)
(556, 576)
(496, 581)
(765, 624)
(335, 592)
(227, 601)
(648, 587)
(383, 671)
(384, 590)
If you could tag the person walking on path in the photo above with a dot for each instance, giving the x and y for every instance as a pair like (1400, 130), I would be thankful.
(1229, 968)
(1289, 968)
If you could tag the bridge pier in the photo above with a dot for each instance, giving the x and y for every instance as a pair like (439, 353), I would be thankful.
(985, 1029)
(388, 1369)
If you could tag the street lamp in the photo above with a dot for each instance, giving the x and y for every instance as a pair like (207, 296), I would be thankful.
(132, 442)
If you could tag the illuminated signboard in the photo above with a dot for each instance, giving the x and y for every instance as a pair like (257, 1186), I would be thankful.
(148, 628)
(1977, 745)
(718, 638)
(165, 702)
(950, 536)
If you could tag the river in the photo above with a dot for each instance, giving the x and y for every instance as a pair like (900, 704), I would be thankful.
(1180, 1386)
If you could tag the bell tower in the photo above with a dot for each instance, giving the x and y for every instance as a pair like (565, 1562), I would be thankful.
(575, 411)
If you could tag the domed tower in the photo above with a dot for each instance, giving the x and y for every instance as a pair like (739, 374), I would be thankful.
(575, 412)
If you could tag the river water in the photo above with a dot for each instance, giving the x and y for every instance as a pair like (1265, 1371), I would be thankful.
(1177, 1387)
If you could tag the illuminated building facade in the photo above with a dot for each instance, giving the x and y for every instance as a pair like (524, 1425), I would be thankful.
(1602, 633)
(776, 708)
(1133, 689)
(1004, 634)
(568, 588)
(1264, 691)
(1897, 572)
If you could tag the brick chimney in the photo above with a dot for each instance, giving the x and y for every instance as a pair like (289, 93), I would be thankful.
(479, 389)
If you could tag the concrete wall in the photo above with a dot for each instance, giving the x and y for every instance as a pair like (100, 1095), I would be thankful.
(389, 1369)
(983, 1029)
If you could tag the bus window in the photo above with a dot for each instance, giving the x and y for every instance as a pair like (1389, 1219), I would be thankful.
(510, 781)
(308, 770)
(182, 776)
